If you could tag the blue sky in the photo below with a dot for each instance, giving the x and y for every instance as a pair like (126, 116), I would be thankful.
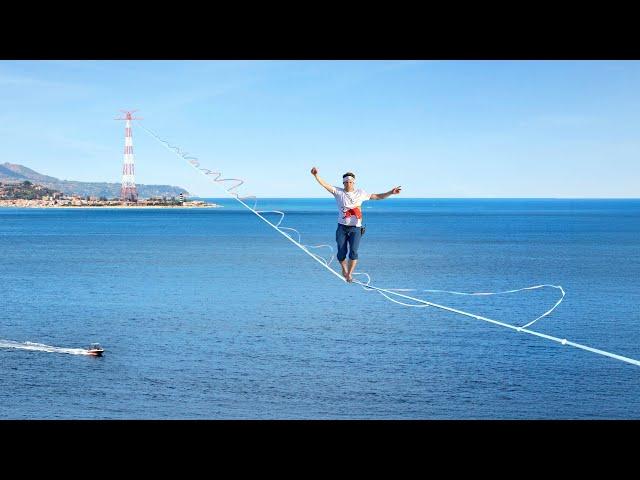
(438, 128)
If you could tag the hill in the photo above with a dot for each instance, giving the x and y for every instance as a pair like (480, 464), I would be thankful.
(12, 173)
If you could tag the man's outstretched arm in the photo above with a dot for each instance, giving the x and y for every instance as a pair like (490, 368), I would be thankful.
(330, 188)
(382, 196)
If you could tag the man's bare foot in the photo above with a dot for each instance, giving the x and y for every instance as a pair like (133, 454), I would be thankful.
(345, 273)
(349, 278)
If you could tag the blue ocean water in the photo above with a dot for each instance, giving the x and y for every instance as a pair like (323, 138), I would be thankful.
(211, 314)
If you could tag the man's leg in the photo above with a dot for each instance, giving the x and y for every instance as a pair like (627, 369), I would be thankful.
(345, 269)
(341, 254)
(352, 267)
(354, 243)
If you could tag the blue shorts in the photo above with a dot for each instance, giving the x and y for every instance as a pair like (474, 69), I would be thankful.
(347, 235)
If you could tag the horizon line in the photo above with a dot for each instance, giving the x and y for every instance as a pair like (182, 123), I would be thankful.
(443, 198)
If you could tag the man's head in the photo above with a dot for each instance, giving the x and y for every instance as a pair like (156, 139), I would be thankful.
(348, 180)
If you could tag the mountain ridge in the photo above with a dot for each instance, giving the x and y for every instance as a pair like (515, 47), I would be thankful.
(13, 172)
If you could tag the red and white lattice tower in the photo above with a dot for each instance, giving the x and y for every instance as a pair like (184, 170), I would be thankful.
(128, 192)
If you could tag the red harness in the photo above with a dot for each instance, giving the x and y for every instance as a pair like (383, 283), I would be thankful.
(353, 212)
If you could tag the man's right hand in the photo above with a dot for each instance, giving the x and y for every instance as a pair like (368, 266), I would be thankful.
(327, 187)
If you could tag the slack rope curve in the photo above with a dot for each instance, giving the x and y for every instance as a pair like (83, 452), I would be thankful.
(216, 178)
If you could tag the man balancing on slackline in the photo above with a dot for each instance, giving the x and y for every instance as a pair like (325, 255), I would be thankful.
(350, 229)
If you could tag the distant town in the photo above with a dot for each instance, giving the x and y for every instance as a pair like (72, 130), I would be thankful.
(26, 194)
(23, 187)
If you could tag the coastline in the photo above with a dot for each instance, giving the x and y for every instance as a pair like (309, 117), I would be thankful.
(90, 202)
(110, 207)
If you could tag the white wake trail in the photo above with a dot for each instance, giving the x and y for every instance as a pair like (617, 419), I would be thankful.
(41, 347)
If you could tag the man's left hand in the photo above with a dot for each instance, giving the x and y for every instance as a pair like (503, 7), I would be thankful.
(396, 190)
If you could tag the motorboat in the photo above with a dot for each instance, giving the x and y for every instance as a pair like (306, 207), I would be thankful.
(95, 349)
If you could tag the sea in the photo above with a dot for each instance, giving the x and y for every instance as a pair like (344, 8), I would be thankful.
(209, 313)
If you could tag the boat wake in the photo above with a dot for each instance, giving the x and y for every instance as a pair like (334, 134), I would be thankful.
(41, 347)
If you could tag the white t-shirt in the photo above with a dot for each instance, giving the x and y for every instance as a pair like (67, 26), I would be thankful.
(349, 206)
